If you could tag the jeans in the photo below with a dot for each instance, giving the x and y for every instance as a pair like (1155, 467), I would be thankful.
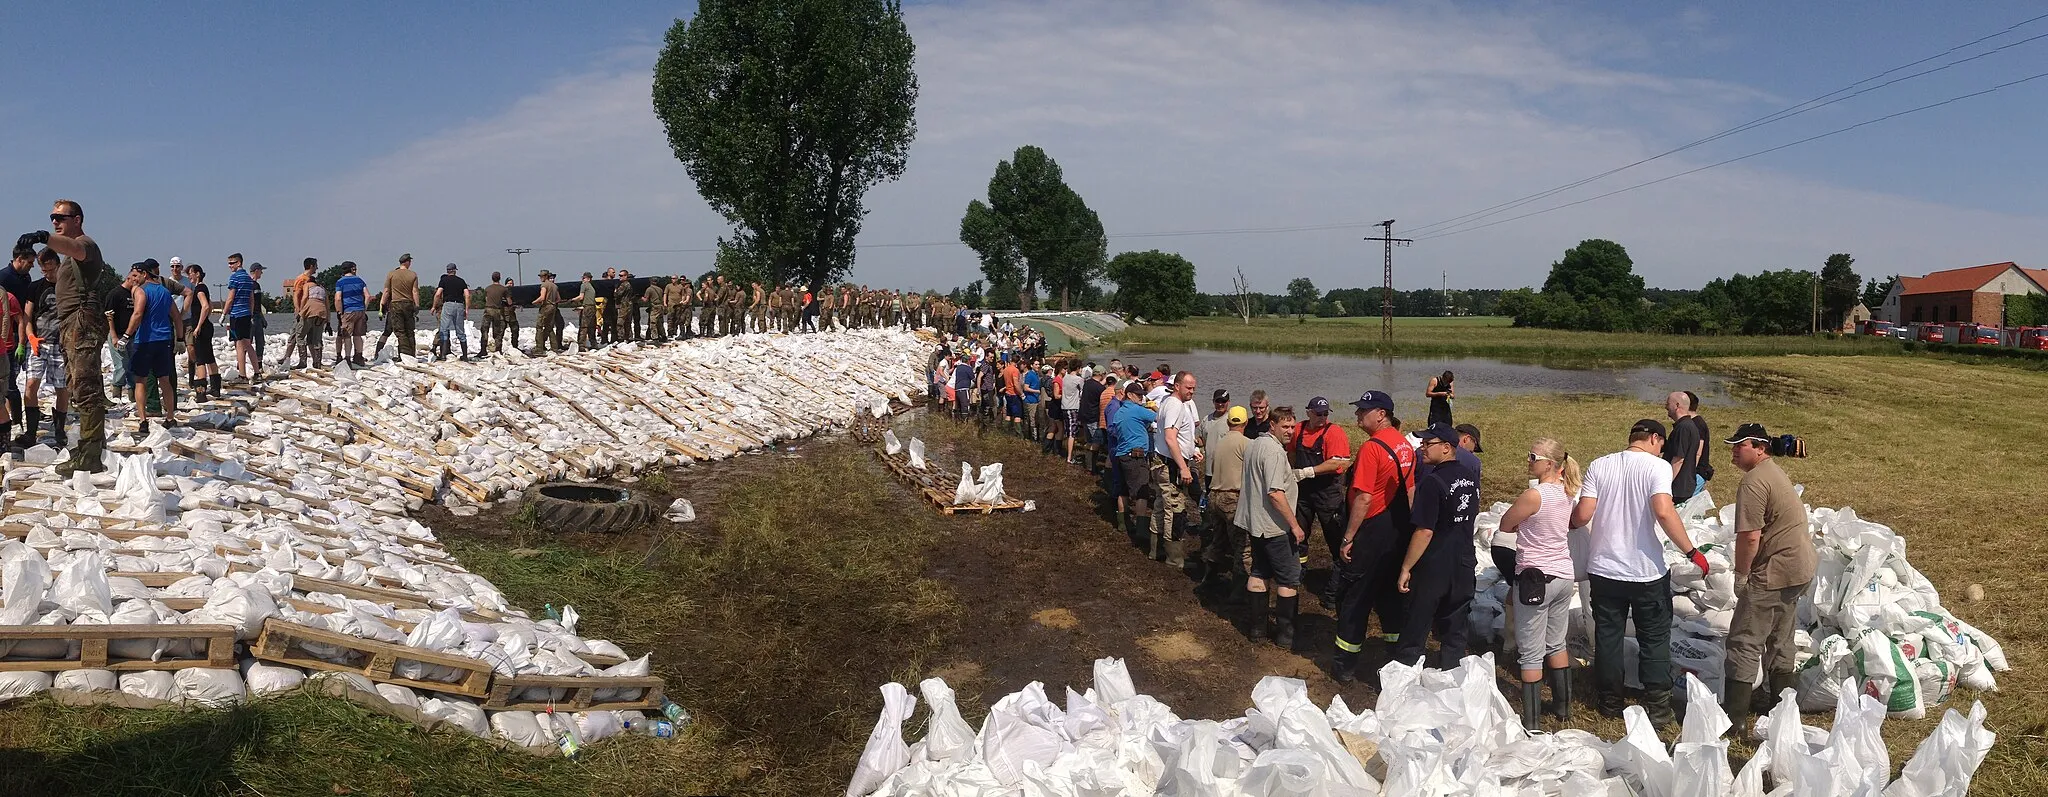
(120, 355)
(1650, 604)
(451, 325)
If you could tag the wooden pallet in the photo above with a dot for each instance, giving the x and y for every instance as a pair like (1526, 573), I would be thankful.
(938, 486)
(582, 695)
(280, 643)
(92, 646)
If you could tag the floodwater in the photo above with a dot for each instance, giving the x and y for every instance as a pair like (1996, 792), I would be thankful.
(1294, 379)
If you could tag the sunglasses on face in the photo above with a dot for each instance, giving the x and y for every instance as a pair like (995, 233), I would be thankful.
(1540, 458)
(57, 217)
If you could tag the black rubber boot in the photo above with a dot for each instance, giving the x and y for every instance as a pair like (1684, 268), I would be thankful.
(1560, 693)
(1779, 682)
(1736, 705)
(1284, 610)
(34, 419)
(1532, 706)
(213, 385)
(1611, 704)
(1257, 611)
(1658, 705)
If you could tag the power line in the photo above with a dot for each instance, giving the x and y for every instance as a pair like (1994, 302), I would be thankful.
(1867, 122)
(919, 244)
(1777, 116)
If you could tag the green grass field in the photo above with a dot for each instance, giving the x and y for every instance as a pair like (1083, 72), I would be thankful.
(1470, 336)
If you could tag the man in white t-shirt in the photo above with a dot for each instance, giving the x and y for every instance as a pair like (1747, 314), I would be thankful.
(1070, 408)
(1626, 499)
(1174, 468)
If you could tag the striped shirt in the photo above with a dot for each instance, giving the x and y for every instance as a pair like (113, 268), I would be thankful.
(244, 288)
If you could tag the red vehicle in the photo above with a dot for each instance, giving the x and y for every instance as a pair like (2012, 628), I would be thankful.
(1879, 329)
(1980, 335)
(1939, 333)
(2031, 338)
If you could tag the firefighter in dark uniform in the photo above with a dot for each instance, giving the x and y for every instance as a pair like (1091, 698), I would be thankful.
(1376, 531)
(1322, 445)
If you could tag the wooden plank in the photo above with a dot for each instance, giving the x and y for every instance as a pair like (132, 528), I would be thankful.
(582, 695)
(92, 642)
(398, 598)
(280, 642)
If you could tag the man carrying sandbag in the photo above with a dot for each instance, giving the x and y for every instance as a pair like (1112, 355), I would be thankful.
(1626, 499)
(1774, 563)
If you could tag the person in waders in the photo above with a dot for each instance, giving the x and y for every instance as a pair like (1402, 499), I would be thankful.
(1376, 531)
(1322, 446)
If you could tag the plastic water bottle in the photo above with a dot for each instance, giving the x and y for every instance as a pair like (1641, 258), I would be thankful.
(675, 713)
(568, 744)
(657, 728)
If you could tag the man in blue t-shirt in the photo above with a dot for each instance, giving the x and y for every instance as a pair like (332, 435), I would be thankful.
(1130, 436)
(1034, 418)
(150, 353)
(963, 386)
(241, 302)
(1437, 570)
(352, 294)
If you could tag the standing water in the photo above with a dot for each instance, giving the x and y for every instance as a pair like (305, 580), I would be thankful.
(1293, 379)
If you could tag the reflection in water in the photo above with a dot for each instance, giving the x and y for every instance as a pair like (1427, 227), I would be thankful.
(1293, 379)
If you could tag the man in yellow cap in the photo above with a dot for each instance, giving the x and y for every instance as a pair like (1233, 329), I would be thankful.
(1226, 553)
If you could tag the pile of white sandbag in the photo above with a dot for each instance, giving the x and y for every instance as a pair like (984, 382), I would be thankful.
(1433, 733)
(299, 513)
(1868, 617)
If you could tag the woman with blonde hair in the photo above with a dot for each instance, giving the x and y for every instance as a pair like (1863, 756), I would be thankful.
(1542, 578)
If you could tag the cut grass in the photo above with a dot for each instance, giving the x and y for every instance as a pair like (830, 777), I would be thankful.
(773, 623)
(1474, 336)
(1948, 455)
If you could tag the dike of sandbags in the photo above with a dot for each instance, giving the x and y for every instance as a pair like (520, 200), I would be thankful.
(1441, 733)
(284, 532)
(1869, 617)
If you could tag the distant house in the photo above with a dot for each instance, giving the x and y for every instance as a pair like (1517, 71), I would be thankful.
(1889, 309)
(1975, 294)
(1856, 315)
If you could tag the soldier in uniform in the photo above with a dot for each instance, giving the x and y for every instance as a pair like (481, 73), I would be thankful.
(511, 316)
(549, 327)
(680, 322)
(625, 315)
(773, 320)
(656, 297)
(735, 307)
(497, 314)
(755, 320)
(588, 318)
(82, 281)
(828, 308)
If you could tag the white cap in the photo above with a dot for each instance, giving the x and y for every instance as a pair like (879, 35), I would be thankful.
(1158, 393)
(1087, 371)
(176, 262)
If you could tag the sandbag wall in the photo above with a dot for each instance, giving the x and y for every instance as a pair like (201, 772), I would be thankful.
(287, 534)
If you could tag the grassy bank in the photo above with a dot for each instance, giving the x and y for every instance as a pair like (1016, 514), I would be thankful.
(1470, 337)
(770, 623)
(1946, 454)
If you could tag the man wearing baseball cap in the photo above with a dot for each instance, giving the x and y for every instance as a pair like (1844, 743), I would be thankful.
(1225, 555)
(1438, 565)
(1774, 564)
(1322, 446)
(452, 297)
(1626, 498)
(1376, 531)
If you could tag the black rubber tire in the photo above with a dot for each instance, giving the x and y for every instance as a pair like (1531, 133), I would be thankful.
(556, 515)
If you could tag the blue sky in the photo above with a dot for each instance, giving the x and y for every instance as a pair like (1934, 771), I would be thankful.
(454, 131)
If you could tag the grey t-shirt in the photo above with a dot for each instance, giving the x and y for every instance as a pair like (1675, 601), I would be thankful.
(1266, 470)
(1070, 392)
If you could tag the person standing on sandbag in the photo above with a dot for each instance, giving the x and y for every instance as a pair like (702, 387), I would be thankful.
(1437, 570)
(497, 315)
(351, 295)
(452, 297)
(1626, 499)
(547, 331)
(149, 325)
(1774, 564)
(401, 305)
(1376, 531)
(81, 279)
(680, 320)
(586, 315)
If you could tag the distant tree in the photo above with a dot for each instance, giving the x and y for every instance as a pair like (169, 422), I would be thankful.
(738, 264)
(1839, 290)
(1240, 303)
(1159, 286)
(1596, 269)
(326, 277)
(1874, 292)
(1034, 229)
(2026, 310)
(1301, 295)
(784, 113)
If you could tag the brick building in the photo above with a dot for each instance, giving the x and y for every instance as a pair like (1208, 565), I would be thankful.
(1973, 295)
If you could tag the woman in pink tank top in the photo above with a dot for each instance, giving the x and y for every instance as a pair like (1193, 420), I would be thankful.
(1541, 519)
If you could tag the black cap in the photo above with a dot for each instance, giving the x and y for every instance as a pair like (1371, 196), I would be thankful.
(1647, 425)
(1441, 431)
(451, 268)
(1319, 404)
(1749, 431)
(1466, 428)
(1374, 400)
(1220, 396)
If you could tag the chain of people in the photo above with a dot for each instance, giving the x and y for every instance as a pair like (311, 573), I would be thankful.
(1236, 497)
(66, 316)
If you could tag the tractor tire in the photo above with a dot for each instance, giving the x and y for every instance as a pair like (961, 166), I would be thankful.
(588, 509)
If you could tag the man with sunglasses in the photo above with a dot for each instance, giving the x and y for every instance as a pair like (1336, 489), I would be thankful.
(1774, 564)
(82, 279)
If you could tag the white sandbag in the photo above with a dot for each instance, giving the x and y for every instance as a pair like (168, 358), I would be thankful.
(1191, 764)
(22, 684)
(1113, 681)
(1886, 675)
(456, 711)
(82, 586)
(228, 604)
(519, 727)
(399, 696)
(947, 735)
(681, 511)
(1640, 758)
(265, 679)
(965, 492)
(594, 725)
(1856, 743)
(90, 680)
(24, 581)
(210, 687)
(988, 487)
(915, 451)
(885, 752)
(152, 684)
(1947, 759)
(1284, 773)
(633, 668)
(891, 445)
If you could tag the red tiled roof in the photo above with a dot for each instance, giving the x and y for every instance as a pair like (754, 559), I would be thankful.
(1957, 279)
(2040, 276)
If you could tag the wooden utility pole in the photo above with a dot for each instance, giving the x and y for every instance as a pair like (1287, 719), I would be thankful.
(1387, 285)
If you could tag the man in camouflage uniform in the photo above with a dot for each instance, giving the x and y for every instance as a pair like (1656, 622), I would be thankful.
(625, 302)
(656, 297)
(589, 319)
(549, 328)
(82, 282)
(680, 321)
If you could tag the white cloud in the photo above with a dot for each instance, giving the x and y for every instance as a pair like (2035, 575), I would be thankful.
(1191, 115)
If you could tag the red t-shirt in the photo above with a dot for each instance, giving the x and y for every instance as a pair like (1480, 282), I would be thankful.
(1334, 441)
(1012, 381)
(1374, 474)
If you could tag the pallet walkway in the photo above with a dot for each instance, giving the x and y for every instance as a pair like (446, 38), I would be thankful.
(92, 646)
(938, 486)
(282, 642)
(582, 693)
